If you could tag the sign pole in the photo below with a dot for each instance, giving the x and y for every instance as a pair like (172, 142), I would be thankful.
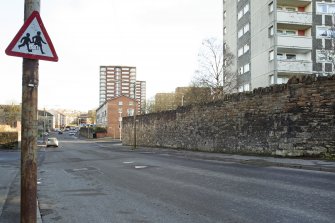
(29, 130)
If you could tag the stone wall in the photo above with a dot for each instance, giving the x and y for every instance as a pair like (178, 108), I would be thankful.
(8, 140)
(293, 119)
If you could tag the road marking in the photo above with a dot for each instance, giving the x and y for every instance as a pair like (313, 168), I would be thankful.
(140, 167)
(128, 162)
(79, 169)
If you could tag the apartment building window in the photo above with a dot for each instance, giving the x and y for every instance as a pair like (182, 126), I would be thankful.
(243, 30)
(280, 80)
(244, 87)
(286, 32)
(244, 69)
(271, 32)
(271, 7)
(225, 30)
(246, 28)
(323, 56)
(286, 56)
(243, 11)
(240, 33)
(240, 52)
(243, 50)
(325, 8)
(239, 14)
(324, 32)
(291, 56)
(271, 55)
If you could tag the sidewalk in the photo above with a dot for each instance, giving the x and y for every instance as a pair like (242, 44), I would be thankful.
(10, 194)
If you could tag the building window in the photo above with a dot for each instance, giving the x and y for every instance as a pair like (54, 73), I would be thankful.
(239, 14)
(240, 52)
(120, 103)
(271, 7)
(243, 30)
(246, 68)
(243, 11)
(280, 80)
(271, 31)
(291, 56)
(240, 33)
(225, 30)
(245, 48)
(271, 55)
(286, 32)
(130, 112)
(280, 56)
(246, 28)
(325, 32)
(321, 7)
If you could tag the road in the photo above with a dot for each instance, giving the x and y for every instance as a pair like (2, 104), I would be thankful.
(89, 181)
(94, 181)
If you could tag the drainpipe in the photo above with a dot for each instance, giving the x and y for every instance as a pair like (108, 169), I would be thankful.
(275, 43)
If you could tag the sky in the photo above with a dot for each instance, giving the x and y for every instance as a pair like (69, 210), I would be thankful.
(161, 38)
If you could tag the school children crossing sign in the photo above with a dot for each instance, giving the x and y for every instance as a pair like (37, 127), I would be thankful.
(32, 41)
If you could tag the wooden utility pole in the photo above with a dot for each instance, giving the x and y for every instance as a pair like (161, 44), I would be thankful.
(29, 130)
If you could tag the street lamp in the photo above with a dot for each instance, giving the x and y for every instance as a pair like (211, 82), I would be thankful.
(135, 114)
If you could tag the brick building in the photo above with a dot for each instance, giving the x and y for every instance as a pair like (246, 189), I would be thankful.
(110, 114)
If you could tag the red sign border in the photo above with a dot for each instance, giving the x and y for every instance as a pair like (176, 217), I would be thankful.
(34, 14)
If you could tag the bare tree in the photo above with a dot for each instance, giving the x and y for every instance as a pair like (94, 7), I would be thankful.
(215, 69)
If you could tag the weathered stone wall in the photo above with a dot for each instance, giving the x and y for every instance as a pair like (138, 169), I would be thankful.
(8, 140)
(294, 119)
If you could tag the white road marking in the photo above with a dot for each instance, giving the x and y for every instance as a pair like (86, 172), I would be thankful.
(140, 167)
(80, 169)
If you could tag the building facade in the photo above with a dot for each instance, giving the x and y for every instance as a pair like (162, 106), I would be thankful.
(118, 81)
(109, 115)
(45, 121)
(273, 40)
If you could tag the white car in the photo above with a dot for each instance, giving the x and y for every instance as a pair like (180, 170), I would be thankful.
(52, 142)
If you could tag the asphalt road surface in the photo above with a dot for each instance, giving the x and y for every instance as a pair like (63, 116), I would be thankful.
(87, 181)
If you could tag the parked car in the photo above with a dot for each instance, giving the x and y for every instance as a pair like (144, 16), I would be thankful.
(52, 142)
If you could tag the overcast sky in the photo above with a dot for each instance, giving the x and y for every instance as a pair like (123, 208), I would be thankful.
(161, 38)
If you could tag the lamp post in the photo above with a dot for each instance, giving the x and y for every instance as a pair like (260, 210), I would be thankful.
(135, 105)
(120, 124)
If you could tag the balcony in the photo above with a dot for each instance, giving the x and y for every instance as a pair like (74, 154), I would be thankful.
(289, 67)
(294, 44)
(294, 20)
(296, 3)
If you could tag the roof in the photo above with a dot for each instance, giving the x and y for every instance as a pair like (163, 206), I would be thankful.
(114, 98)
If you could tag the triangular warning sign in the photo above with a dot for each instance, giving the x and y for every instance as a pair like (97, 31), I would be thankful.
(32, 41)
